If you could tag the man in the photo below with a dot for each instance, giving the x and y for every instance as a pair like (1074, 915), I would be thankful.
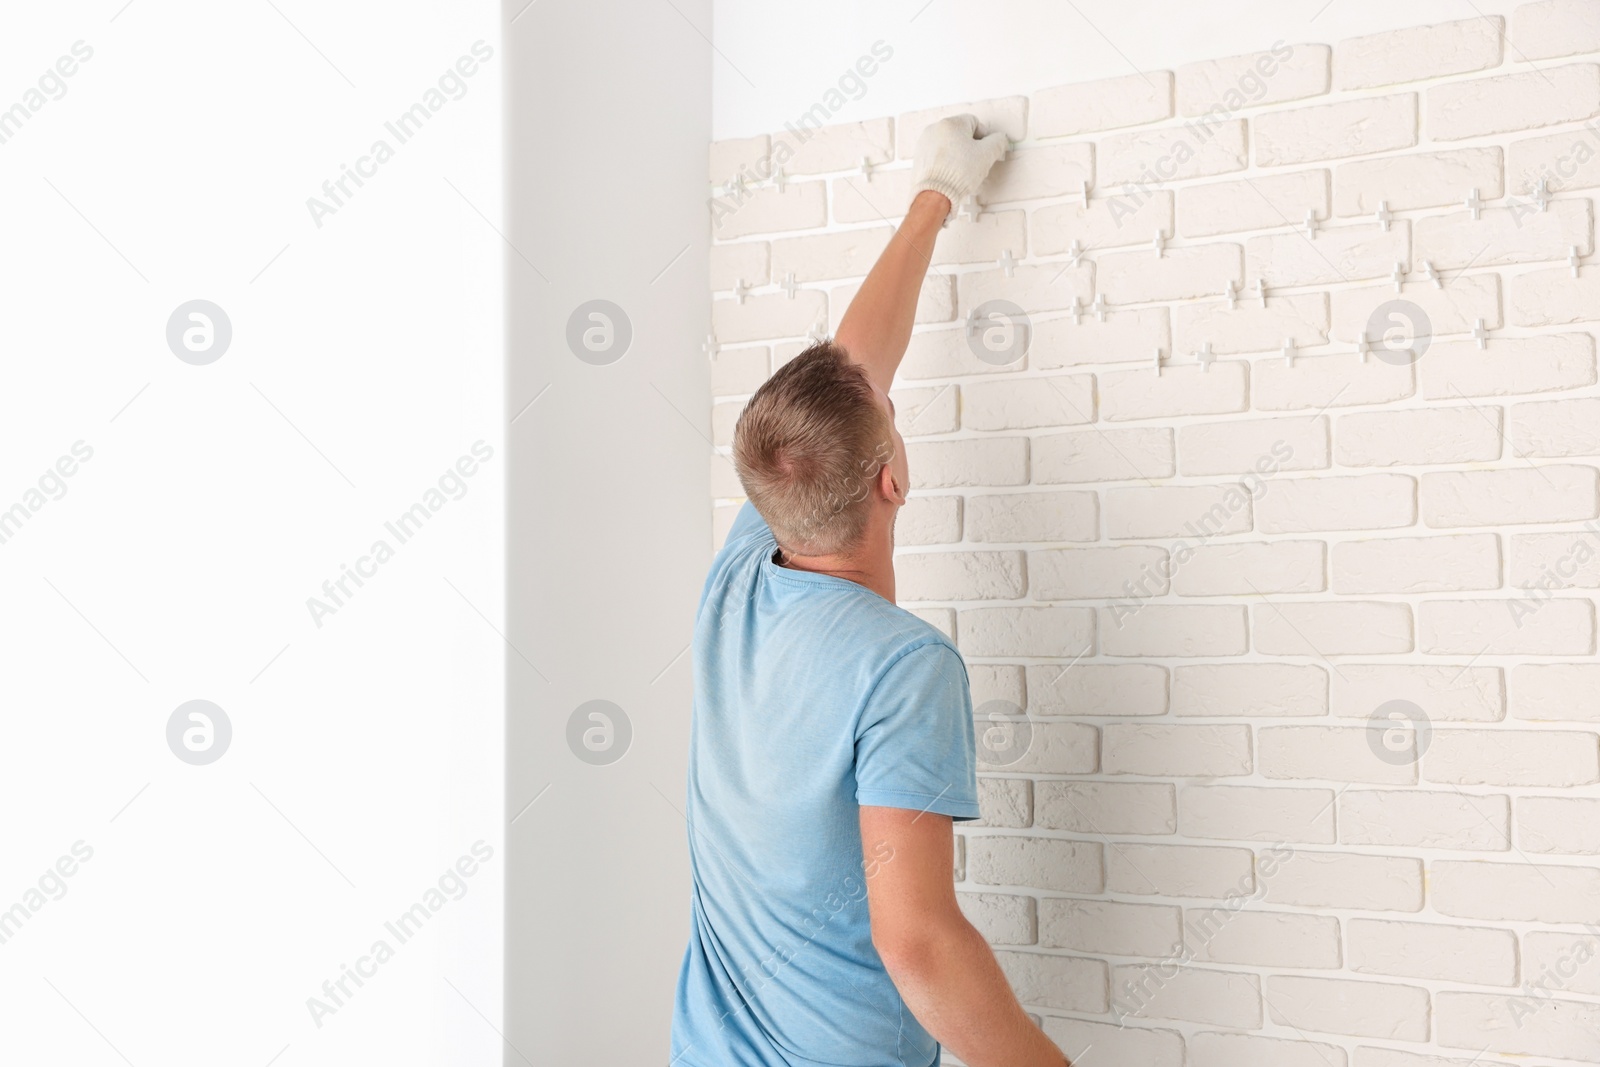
(832, 743)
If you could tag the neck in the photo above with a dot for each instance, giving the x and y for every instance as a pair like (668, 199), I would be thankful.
(870, 564)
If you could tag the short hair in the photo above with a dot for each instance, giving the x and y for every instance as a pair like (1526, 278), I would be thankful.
(808, 447)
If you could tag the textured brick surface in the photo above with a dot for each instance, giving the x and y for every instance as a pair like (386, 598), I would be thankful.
(1227, 586)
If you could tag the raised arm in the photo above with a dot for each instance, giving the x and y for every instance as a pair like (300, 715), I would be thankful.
(950, 164)
(941, 965)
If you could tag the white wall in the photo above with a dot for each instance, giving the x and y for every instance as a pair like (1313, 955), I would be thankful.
(775, 60)
(365, 358)
(609, 111)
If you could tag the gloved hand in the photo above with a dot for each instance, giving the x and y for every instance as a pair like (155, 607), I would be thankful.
(950, 160)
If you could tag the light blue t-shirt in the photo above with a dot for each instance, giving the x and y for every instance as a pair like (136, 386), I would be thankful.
(814, 696)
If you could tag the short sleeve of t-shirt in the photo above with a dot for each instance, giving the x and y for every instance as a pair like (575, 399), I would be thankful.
(914, 742)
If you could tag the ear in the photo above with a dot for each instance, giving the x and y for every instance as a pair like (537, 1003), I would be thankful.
(891, 490)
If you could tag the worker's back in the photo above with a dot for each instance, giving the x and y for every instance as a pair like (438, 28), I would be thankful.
(813, 696)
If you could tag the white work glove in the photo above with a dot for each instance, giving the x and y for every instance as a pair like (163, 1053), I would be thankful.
(951, 160)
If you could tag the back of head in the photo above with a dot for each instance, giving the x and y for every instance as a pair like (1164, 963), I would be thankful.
(808, 448)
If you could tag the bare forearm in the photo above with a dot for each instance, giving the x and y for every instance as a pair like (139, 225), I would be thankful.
(877, 326)
(954, 987)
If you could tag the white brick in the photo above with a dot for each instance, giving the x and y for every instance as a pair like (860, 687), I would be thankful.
(1329, 381)
(1262, 938)
(1367, 1056)
(1066, 983)
(1120, 1043)
(1126, 335)
(1417, 564)
(996, 681)
(1223, 86)
(1178, 274)
(1106, 104)
(727, 158)
(928, 520)
(1256, 813)
(983, 461)
(1097, 689)
(1105, 223)
(767, 316)
(799, 206)
(1556, 428)
(1096, 573)
(1102, 455)
(1034, 288)
(1177, 511)
(1418, 52)
(1568, 959)
(815, 257)
(1203, 871)
(1017, 517)
(1554, 297)
(1449, 693)
(1107, 808)
(1536, 1025)
(1248, 1050)
(1222, 387)
(1035, 173)
(1196, 149)
(1513, 102)
(1259, 203)
(1335, 753)
(1332, 628)
(981, 240)
(1163, 751)
(1551, 561)
(947, 354)
(1355, 502)
(1556, 691)
(1342, 1006)
(1329, 131)
(1007, 114)
(1002, 918)
(1051, 748)
(1175, 630)
(739, 371)
(1565, 161)
(1565, 825)
(1341, 254)
(930, 410)
(1454, 370)
(1241, 689)
(1254, 568)
(724, 478)
(1451, 309)
(1256, 446)
(1411, 438)
(1168, 991)
(882, 197)
(1418, 819)
(1506, 235)
(959, 575)
(1502, 892)
(741, 261)
(1026, 403)
(1551, 758)
(724, 417)
(1036, 862)
(1556, 627)
(1346, 880)
(1053, 631)
(841, 146)
(1555, 28)
(1551, 493)
(1424, 179)
(1251, 327)
(1110, 927)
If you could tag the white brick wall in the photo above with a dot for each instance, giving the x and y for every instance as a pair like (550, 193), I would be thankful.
(1210, 585)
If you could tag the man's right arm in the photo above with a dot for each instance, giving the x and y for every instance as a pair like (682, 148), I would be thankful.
(943, 968)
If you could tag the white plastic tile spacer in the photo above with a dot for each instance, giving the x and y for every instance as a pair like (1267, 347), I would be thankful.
(1397, 275)
(1385, 216)
(1077, 312)
(1158, 362)
(740, 290)
(1479, 334)
(1311, 223)
(1572, 259)
(1363, 346)
(1159, 243)
(1475, 205)
(1007, 262)
(1288, 352)
(789, 284)
(710, 347)
(1099, 306)
(1432, 275)
(1204, 357)
(1261, 291)
(1231, 294)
